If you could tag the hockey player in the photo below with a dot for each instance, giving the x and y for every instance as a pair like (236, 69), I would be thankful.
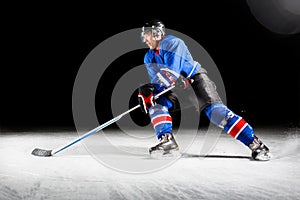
(168, 61)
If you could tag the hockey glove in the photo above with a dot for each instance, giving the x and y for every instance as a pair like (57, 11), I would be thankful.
(182, 82)
(146, 97)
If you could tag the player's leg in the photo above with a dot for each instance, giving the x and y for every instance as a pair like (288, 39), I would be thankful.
(238, 128)
(220, 115)
(162, 123)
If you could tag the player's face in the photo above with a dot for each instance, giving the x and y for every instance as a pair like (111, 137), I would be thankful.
(149, 40)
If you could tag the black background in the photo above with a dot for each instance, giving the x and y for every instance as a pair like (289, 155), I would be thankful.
(44, 46)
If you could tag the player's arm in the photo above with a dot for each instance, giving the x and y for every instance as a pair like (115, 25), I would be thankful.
(175, 58)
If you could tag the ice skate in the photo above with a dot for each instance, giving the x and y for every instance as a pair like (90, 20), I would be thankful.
(259, 150)
(167, 147)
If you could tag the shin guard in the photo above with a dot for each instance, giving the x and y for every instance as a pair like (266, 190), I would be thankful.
(161, 120)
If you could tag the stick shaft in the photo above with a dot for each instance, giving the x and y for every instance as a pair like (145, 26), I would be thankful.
(95, 130)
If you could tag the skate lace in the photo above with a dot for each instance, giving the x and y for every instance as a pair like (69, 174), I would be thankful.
(256, 144)
(164, 139)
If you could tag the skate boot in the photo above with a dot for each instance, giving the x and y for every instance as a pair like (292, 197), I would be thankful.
(167, 146)
(259, 150)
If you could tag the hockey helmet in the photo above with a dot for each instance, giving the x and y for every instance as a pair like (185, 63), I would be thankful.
(156, 27)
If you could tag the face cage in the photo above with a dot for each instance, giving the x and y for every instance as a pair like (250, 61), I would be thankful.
(154, 31)
(143, 34)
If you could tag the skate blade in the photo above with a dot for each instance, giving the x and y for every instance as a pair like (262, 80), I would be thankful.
(161, 154)
(263, 156)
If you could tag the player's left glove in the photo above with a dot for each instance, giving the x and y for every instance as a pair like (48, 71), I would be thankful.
(182, 82)
(146, 97)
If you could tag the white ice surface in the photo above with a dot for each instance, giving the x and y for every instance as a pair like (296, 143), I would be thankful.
(91, 169)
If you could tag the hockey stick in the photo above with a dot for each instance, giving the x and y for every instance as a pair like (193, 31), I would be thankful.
(46, 153)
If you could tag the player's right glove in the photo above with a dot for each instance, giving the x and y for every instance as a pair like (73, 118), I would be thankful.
(146, 97)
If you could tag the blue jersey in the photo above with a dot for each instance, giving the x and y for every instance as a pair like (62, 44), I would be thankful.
(173, 59)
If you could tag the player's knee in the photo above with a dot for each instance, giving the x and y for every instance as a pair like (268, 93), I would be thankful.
(219, 114)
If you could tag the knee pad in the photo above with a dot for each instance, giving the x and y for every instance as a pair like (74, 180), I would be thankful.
(222, 116)
(218, 114)
(168, 100)
(232, 123)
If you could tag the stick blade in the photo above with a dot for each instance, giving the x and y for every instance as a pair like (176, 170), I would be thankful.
(41, 152)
